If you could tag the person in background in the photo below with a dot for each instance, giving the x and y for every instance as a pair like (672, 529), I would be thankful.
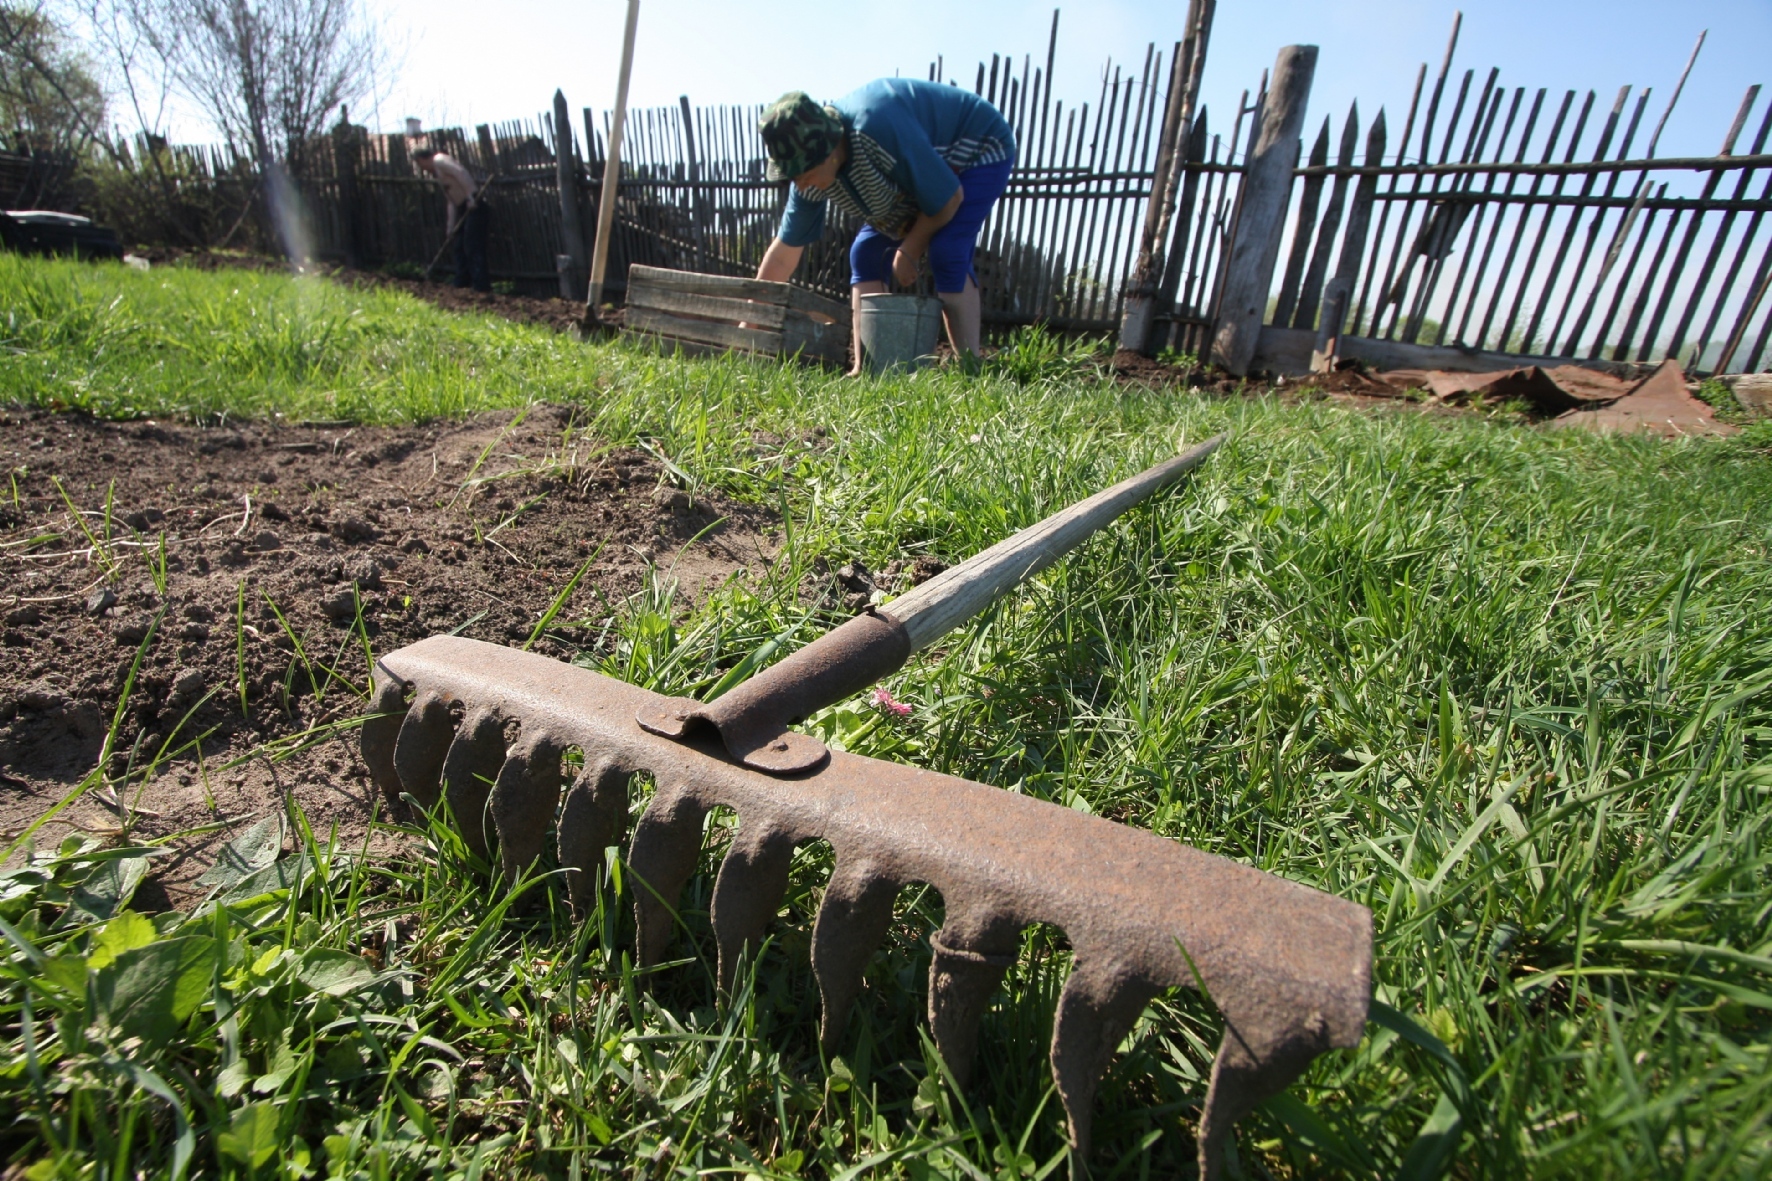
(467, 209)
(920, 163)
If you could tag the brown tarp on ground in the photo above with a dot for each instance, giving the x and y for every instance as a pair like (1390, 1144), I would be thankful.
(1549, 393)
(1660, 403)
(1572, 396)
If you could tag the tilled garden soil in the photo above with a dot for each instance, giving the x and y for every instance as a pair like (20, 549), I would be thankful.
(285, 548)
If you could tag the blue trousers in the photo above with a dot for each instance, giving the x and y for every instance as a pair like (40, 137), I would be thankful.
(950, 248)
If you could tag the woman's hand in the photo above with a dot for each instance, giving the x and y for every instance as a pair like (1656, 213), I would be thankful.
(916, 243)
(904, 266)
(777, 266)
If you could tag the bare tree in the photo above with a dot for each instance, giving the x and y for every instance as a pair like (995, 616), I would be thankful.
(265, 73)
(135, 56)
(49, 97)
(269, 72)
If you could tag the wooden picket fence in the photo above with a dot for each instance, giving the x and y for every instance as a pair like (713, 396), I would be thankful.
(1523, 224)
(35, 179)
(1511, 222)
(693, 194)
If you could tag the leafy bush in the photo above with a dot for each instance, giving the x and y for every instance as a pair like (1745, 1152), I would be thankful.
(1179, 358)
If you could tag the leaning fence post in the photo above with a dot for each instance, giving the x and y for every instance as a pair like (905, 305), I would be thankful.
(1329, 328)
(566, 175)
(700, 216)
(1178, 120)
(1266, 191)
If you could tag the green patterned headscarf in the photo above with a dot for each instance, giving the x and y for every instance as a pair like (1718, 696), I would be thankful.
(798, 134)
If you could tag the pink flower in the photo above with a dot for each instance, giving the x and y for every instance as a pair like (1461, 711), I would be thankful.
(883, 700)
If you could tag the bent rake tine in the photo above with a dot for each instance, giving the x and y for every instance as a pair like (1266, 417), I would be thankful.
(1288, 967)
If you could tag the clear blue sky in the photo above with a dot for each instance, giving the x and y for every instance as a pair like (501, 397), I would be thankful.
(467, 62)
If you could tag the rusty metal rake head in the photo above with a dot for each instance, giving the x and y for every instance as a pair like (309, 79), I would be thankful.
(1288, 967)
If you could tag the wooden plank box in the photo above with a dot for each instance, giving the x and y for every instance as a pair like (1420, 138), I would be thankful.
(702, 313)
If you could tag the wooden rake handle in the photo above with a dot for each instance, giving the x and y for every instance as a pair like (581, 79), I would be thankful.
(752, 720)
(930, 611)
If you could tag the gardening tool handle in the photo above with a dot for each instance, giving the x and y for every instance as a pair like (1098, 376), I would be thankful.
(752, 720)
(468, 207)
(930, 611)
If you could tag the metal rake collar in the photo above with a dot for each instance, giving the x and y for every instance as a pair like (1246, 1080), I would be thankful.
(752, 720)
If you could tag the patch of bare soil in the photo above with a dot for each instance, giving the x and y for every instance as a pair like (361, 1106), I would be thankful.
(1134, 368)
(558, 314)
(273, 536)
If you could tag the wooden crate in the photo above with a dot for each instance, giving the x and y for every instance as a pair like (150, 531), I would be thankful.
(702, 314)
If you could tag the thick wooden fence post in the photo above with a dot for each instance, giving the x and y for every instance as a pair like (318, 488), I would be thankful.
(700, 214)
(566, 175)
(1265, 193)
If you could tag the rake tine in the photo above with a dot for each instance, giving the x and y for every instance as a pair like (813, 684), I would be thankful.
(473, 760)
(381, 732)
(523, 801)
(1246, 1071)
(591, 820)
(419, 750)
(1097, 1009)
(748, 891)
(662, 855)
(970, 961)
(852, 921)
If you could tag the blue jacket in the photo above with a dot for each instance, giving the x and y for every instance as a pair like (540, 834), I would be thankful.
(908, 142)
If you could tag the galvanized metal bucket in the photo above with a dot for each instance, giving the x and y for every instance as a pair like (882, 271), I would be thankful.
(898, 331)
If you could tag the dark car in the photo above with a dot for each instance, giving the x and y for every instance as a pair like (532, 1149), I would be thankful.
(43, 231)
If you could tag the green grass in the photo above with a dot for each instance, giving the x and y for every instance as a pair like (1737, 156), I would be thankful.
(1511, 689)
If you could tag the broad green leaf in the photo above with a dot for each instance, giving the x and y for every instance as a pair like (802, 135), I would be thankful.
(338, 1151)
(106, 889)
(126, 932)
(67, 971)
(246, 854)
(150, 991)
(251, 1137)
(279, 876)
(233, 1079)
(283, 1064)
(333, 972)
